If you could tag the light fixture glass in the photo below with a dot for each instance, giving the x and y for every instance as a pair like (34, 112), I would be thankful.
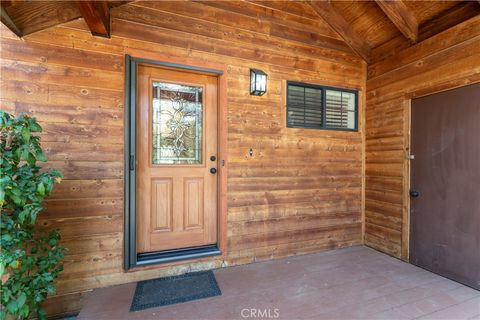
(258, 82)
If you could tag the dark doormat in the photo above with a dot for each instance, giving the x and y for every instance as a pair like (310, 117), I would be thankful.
(176, 289)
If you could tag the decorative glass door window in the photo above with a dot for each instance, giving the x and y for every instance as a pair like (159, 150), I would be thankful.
(177, 124)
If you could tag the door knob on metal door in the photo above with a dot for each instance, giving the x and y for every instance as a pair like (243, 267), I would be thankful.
(414, 193)
(213, 170)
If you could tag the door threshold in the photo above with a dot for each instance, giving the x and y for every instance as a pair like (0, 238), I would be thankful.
(166, 256)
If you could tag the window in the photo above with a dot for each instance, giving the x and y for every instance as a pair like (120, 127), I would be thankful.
(177, 124)
(316, 107)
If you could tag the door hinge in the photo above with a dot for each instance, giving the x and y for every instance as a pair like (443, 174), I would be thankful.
(132, 162)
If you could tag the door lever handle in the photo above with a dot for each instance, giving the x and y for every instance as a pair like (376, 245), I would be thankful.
(213, 170)
(414, 194)
(132, 163)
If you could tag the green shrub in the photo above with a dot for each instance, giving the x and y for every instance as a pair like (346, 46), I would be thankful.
(30, 259)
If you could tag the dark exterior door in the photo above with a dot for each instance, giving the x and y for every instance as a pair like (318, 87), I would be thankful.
(445, 215)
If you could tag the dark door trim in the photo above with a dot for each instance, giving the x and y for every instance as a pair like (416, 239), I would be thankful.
(131, 257)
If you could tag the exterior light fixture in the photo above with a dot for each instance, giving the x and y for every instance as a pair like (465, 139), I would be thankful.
(258, 82)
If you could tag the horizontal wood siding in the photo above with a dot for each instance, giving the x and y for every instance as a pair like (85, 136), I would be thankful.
(445, 61)
(300, 192)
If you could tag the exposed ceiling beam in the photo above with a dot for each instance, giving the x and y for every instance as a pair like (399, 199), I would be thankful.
(338, 23)
(401, 17)
(97, 16)
(8, 22)
(447, 19)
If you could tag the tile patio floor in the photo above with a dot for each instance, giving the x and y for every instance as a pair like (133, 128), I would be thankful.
(351, 283)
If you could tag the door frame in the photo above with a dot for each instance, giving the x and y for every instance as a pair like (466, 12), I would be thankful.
(131, 257)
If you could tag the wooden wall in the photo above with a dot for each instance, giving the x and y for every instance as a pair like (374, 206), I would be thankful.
(445, 61)
(301, 192)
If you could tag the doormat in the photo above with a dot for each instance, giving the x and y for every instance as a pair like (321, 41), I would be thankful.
(176, 289)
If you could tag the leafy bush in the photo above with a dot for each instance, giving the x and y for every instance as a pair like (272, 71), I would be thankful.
(30, 259)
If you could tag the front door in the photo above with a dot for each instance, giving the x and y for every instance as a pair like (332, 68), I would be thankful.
(176, 149)
(445, 183)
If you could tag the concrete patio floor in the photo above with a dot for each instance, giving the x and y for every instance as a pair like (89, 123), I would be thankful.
(351, 283)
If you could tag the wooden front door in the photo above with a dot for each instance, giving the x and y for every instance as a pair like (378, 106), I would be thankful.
(445, 184)
(176, 147)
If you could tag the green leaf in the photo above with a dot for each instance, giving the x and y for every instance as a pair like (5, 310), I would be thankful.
(22, 297)
(12, 307)
(24, 311)
(5, 180)
(35, 127)
(16, 199)
(42, 315)
(2, 268)
(41, 189)
(31, 159)
(41, 156)
(26, 134)
(25, 153)
(52, 242)
(22, 216)
(6, 237)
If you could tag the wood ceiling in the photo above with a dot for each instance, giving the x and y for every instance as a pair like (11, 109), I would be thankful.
(372, 29)
(388, 27)
(24, 17)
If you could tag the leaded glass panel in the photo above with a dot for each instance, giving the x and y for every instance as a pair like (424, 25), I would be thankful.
(177, 124)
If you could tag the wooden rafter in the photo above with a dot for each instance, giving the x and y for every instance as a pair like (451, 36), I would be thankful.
(97, 16)
(401, 17)
(445, 20)
(8, 22)
(338, 23)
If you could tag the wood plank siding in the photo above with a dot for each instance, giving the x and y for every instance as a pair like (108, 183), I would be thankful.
(300, 192)
(447, 60)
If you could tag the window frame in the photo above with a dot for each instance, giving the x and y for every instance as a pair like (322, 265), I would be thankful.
(324, 103)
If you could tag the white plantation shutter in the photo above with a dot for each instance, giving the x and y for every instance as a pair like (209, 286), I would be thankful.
(340, 109)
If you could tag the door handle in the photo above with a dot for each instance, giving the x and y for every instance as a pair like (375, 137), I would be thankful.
(213, 170)
(414, 194)
(132, 163)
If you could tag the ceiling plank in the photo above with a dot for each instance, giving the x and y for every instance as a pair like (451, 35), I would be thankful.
(450, 18)
(338, 23)
(34, 16)
(8, 22)
(401, 17)
(97, 16)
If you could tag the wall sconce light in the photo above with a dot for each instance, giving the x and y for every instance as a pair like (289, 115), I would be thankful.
(258, 82)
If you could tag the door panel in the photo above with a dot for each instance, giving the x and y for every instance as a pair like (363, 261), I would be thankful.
(194, 196)
(162, 215)
(445, 217)
(176, 136)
